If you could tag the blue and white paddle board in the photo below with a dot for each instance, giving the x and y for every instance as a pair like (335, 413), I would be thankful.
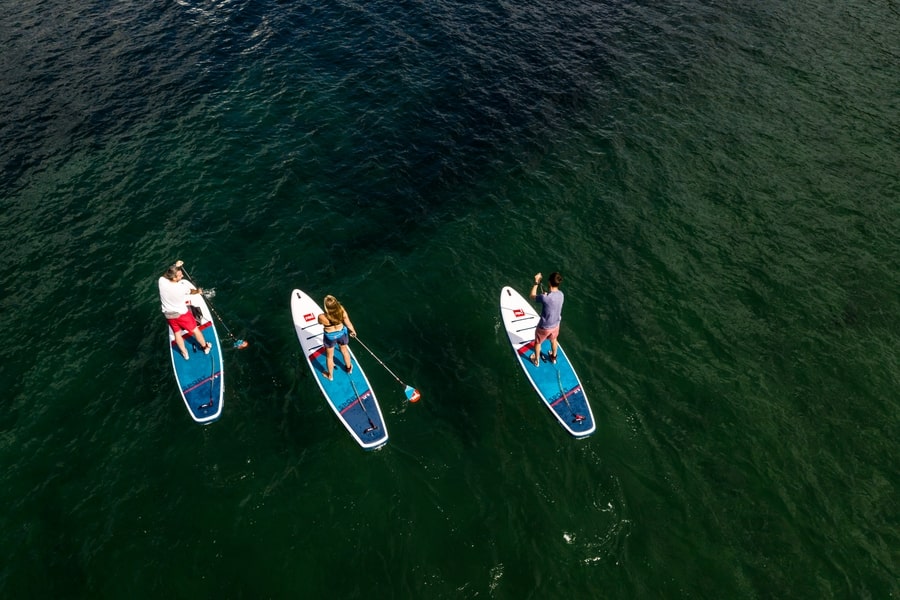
(556, 384)
(201, 379)
(349, 395)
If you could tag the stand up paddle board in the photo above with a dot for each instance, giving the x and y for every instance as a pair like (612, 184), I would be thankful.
(556, 384)
(349, 395)
(200, 378)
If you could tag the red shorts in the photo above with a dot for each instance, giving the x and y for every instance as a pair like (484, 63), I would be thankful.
(185, 321)
(545, 334)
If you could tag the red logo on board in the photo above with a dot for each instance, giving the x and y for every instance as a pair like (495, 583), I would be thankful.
(308, 317)
(519, 312)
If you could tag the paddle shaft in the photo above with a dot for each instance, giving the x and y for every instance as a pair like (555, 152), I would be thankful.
(562, 391)
(211, 307)
(379, 361)
(212, 375)
(372, 426)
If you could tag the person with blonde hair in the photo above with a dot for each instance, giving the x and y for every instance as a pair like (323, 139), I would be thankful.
(337, 330)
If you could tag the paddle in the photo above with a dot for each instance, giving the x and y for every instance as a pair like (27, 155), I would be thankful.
(412, 394)
(207, 294)
(212, 374)
(372, 426)
(578, 418)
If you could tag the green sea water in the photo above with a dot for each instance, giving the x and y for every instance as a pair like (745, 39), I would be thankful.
(717, 184)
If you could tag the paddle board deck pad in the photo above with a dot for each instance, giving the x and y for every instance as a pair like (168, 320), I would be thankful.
(349, 395)
(200, 378)
(556, 384)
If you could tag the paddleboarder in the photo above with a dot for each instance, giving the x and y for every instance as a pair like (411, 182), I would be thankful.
(174, 296)
(551, 315)
(337, 329)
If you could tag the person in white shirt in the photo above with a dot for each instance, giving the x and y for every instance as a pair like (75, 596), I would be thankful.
(175, 296)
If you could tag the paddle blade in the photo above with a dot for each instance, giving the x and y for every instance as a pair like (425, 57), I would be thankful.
(412, 394)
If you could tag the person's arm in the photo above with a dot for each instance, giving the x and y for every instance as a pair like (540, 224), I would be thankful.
(191, 290)
(349, 324)
(534, 288)
(323, 320)
(179, 264)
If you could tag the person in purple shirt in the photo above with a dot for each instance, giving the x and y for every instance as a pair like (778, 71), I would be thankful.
(551, 315)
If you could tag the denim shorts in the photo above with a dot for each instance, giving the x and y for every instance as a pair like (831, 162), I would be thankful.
(341, 336)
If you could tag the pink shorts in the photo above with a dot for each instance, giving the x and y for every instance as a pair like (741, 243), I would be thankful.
(545, 334)
(185, 321)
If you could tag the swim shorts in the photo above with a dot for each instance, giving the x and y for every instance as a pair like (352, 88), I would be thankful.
(546, 334)
(341, 336)
(185, 321)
